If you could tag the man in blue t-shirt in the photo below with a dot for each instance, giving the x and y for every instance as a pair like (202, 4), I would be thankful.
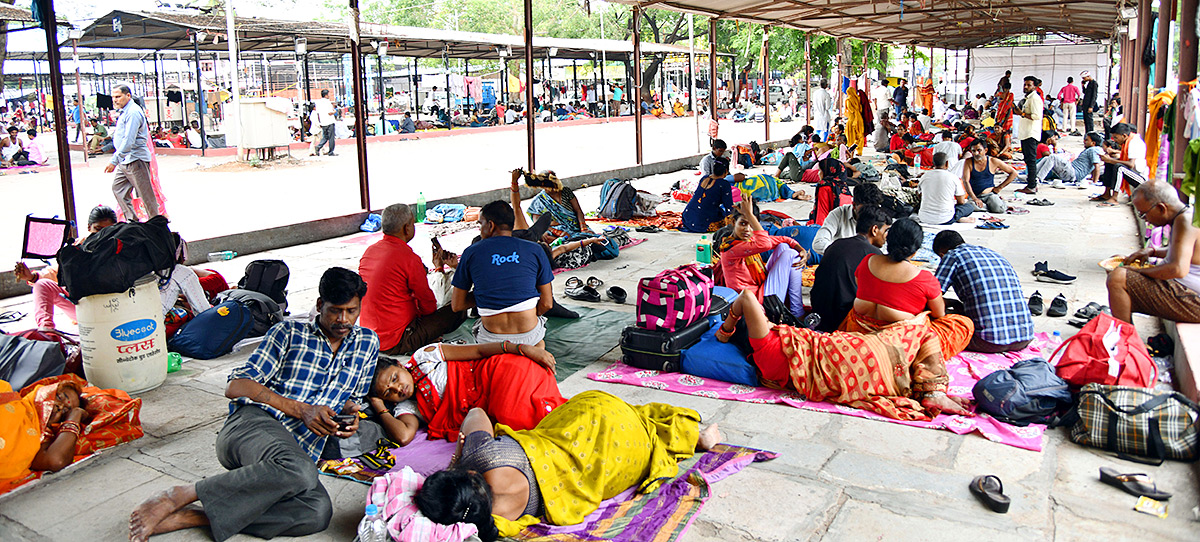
(1086, 165)
(511, 279)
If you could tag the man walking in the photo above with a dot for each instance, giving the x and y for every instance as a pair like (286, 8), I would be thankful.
(324, 110)
(1088, 103)
(1029, 131)
(131, 159)
(900, 98)
(1069, 95)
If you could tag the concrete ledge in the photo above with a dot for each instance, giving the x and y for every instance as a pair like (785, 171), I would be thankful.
(1187, 367)
(340, 226)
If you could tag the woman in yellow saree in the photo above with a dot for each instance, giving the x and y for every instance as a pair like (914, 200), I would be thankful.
(591, 448)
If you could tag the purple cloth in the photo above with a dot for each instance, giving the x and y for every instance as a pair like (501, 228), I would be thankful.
(424, 456)
(785, 281)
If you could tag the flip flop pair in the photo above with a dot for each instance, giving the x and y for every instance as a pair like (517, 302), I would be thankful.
(1040, 202)
(992, 226)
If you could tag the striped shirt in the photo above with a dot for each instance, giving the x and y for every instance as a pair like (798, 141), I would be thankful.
(295, 361)
(989, 288)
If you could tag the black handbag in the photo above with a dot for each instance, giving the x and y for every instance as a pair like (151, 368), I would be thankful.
(113, 259)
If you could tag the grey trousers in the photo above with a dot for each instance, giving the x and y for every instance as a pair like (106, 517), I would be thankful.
(792, 168)
(272, 486)
(134, 176)
(328, 135)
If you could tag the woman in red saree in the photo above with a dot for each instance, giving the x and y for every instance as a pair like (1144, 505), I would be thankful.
(513, 383)
(898, 372)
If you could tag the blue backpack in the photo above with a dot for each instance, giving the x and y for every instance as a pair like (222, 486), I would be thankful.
(618, 200)
(212, 333)
(1028, 392)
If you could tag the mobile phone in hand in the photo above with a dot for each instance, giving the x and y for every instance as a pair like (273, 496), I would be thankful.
(344, 420)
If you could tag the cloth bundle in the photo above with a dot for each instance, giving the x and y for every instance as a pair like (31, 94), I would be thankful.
(446, 212)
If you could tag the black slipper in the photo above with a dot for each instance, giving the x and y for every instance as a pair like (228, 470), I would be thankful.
(1058, 306)
(990, 491)
(595, 282)
(1079, 322)
(617, 294)
(1088, 311)
(1136, 484)
(1036, 304)
(578, 291)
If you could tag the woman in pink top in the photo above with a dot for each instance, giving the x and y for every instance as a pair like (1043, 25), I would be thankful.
(742, 265)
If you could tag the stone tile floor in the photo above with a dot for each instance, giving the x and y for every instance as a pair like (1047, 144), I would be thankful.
(838, 477)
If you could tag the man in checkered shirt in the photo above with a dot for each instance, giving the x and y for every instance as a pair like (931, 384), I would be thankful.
(990, 291)
(284, 400)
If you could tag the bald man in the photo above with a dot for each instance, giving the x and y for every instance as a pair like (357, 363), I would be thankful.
(1171, 289)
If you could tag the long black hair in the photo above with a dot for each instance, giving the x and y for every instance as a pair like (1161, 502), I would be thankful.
(458, 496)
(904, 239)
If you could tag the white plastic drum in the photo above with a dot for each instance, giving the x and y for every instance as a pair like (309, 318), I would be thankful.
(122, 339)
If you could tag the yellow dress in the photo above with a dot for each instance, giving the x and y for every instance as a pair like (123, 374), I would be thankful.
(854, 122)
(596, 446)
(20, 433)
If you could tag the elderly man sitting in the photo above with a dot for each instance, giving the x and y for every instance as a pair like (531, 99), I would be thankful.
(1171, 289)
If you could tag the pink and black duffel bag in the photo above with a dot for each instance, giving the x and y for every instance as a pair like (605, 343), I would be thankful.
(673, 299)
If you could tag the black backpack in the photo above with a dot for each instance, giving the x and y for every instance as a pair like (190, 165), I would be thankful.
(265, 310)
(269, 277)
(113, 259)
(617, 200)
(1028, 392)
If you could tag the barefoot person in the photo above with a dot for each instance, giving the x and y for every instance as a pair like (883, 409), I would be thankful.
(593, 447)
(284, 402)
(1171, 289)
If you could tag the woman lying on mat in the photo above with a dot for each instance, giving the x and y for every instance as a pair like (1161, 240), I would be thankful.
(592, 448)
(891, 290)
(743, 268)
(440, 382)
(52, 422)
(537, 233)
(898, 372)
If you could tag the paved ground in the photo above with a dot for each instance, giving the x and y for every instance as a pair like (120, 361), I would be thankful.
(838, 477)
(210, 197)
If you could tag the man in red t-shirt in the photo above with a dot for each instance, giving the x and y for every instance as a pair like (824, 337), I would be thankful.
(400, 306)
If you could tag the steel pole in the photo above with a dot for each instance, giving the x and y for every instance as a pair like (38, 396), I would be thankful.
(159, 92)
(199, 93)
(530, 114)
(360, 108)
(807, 79)
(712, 69)
(1187, 74)
(382, 107)
(637, 83)
(60, 112)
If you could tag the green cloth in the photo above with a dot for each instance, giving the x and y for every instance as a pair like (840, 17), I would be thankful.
(574, 343)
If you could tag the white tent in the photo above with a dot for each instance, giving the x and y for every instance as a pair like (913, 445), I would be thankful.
(1053, 64)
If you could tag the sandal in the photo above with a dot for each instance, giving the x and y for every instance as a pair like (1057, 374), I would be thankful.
(990, 491)
(1018, 211)
(617, 294)
(595, 282)
(578, 291)
(1088, 311)
(1136, 484)
(992, 226)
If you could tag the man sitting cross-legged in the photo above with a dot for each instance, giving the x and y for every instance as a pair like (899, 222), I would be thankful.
(989, 290)
(1171, 289)
(512, 281)
(401, 305)
(284, 400)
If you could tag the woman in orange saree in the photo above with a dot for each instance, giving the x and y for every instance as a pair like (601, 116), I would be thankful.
(898, 372)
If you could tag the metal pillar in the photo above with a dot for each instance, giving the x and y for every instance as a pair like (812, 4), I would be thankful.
(604, 88)
(1142, 81)
(307, 80)
(575, 76)
(449, 115)
(637, 82)
(199, 94)
(807, 79)
(766, 76)
(712, 69)
(159, 92)
(382, 106)
(530, 114)
(1162, 64)
(360, 108)
(1187, 73)
(60, 112)
(467, 73)
(416, 87)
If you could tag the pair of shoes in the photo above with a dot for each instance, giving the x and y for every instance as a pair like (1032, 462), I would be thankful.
(1090, 311)
(1040, 202)
(1026, 190)
(992, 225)
(579, 291)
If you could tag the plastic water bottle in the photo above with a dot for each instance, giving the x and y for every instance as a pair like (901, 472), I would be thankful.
(372, 528)
(221, 256)
(1057, 336)
(420, 207)
(704, 250)
(917, 162)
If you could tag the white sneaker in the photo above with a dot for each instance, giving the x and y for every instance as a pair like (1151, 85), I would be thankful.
(1057, 184)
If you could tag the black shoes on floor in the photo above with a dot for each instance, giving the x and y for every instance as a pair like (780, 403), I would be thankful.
(1036, 304)
(1043, 273)
(1058, 307)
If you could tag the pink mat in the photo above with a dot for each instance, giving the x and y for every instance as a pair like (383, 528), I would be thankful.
(965, 370)
(632, 243)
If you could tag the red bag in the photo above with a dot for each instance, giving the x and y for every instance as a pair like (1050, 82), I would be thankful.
(1106, 351)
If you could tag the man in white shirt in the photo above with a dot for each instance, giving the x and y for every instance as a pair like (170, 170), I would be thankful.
(323, 109)
(822, 109)
(882, 98)
(953, 152)
(1029, 132)
(842, 222)
(925, 120)
(194, 140)
(1129, 165)
(943, 199)
(511, 116)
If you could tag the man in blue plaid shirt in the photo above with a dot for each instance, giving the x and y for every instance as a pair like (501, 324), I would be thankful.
(990, 291)
(284, 400)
